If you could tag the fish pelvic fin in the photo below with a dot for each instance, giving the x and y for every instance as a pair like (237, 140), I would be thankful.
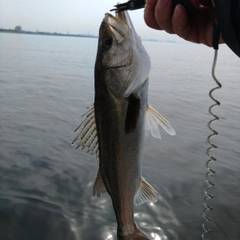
(146, 193)
(153, 120)
(136, 235)
(99, 186)
(88, 133)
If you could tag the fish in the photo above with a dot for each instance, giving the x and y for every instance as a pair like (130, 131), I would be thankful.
(115, 126)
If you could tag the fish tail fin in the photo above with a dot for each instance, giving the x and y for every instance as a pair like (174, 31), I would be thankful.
(137, 235)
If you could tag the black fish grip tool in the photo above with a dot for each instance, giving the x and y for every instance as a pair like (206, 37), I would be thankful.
(130, 5)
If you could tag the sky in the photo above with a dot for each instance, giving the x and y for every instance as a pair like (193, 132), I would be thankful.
(68, 16)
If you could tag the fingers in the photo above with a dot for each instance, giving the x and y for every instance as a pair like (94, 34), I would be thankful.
(163, 15)
(195, 27)
(158, 14)
(149, 14)
(180, 23)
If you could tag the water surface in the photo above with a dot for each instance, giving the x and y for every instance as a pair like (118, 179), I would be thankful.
(46, 184)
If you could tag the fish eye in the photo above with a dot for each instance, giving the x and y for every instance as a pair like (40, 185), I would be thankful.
(107, 43)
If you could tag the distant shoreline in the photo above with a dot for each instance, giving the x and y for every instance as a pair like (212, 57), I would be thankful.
(47, 33)
(72, 35)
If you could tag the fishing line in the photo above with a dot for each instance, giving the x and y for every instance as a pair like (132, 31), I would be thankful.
(211, 159)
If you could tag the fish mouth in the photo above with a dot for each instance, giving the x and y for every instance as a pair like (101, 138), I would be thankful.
(119, 24)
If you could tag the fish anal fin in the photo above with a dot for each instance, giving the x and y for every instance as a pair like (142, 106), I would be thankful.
(133, 112)
(153, 120)
(99, 187)
(146, 193)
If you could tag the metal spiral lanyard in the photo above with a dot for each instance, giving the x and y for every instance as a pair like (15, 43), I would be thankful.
(211, 159)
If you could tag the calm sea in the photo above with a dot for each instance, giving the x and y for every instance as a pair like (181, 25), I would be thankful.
(46, 84)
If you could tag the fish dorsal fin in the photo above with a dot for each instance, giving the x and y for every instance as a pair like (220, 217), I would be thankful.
(146, 193)
(153, 120)
(99, 186)
(88, 134)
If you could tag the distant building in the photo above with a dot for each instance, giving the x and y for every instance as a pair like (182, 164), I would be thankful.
(18, 28)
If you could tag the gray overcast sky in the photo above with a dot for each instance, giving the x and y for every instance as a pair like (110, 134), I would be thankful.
(73, 16)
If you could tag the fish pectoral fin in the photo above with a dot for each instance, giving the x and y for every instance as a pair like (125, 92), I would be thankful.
(99, 186)
(88, 134)
(153, 120)
(133, 112)
(146, 193)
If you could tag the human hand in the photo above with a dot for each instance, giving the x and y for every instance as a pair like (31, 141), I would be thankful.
(196, 27)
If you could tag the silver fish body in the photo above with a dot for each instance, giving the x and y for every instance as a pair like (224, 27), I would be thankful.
(114, 128)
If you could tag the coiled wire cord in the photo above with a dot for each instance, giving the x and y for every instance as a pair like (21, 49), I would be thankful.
(210, 171)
